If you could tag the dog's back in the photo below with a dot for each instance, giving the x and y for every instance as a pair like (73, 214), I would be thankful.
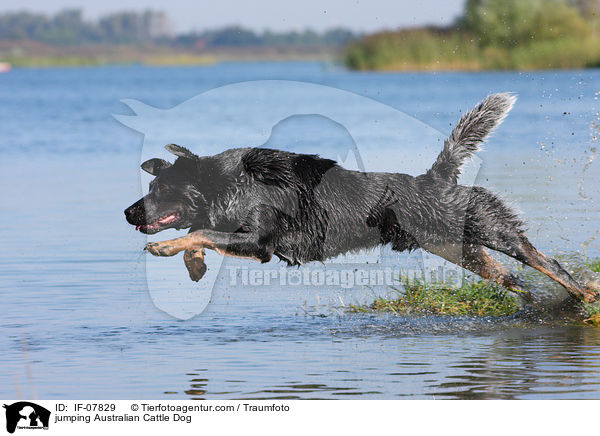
(339, 210)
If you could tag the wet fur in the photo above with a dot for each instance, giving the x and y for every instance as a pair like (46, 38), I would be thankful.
(258, 202)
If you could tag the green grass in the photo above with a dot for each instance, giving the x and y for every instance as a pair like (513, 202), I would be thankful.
(413, 50)
(47, 61)
(54, 61)
(593, 310)
(593, 318)
(480, 298)
(180, 59)
(594, 265)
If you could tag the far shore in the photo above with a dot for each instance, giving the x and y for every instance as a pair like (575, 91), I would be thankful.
(175, 59)
(185, 60)
(40, 56)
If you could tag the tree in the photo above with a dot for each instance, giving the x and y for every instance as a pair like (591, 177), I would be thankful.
(507, 23)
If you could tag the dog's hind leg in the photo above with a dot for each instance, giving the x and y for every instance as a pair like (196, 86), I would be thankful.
(244, 245)
(521, 249)
(475, 258)
(479, 261)
(493, 224)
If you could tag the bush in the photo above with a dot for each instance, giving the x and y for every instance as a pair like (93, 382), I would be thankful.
(413, 49)
(509, 23)
(493, 34)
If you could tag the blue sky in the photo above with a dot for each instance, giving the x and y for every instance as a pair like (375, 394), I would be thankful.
(361, 15)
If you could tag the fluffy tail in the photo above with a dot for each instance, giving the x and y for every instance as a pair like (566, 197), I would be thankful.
(469, 134)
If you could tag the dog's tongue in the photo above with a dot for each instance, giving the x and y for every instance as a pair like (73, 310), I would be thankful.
(168, 219)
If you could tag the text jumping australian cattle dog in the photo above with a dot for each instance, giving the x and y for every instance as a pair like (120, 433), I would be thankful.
(255, 203)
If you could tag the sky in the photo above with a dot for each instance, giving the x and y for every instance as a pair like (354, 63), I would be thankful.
(278, 15)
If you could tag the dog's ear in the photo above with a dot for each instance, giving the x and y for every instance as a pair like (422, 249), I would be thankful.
(180, 151)
(155, 166)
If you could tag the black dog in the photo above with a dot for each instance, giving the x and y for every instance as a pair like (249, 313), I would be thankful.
(255, 203)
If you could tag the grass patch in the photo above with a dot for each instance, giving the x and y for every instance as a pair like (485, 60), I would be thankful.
(593, 309)
(480, 298)
(54, 61)
(593, 318)
(594, 265)
(178, 60)
(43, 61)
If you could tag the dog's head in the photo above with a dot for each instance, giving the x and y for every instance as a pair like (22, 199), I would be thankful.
(179, 194)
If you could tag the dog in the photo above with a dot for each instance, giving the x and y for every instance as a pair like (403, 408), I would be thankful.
(255, 203)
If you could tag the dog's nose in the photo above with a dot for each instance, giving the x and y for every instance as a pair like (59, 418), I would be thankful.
(136, 213)
(131, 215)
(128, 215)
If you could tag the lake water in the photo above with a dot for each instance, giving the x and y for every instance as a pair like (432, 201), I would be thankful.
(78, 320)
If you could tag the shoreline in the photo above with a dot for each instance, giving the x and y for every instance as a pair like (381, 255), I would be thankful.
(186, 60)
(37, 56)
(216, 61)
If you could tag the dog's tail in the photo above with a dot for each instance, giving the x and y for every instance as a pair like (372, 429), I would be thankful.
(469, 134)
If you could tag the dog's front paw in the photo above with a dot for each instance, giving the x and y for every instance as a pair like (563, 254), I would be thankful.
(164, 248)
(194, 262)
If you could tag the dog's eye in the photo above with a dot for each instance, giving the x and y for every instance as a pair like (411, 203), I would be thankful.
(162, 187)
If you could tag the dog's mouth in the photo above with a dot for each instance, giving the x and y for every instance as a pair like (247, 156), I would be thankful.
(162, 223)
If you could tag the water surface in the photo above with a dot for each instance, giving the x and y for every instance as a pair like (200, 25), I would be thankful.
(77, 320)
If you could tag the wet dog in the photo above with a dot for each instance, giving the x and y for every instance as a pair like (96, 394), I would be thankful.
(255, 203)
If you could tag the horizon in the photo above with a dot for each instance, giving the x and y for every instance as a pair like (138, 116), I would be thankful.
(322, 15)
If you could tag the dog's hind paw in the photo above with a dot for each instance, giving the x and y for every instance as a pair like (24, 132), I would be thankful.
(164, 248)
(591, 295)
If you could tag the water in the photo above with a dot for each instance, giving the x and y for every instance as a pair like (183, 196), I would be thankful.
(78, 322)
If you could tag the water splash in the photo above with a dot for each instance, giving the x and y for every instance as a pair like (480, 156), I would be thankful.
(595, 128)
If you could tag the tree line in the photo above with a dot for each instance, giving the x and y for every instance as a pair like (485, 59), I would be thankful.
(68, 27)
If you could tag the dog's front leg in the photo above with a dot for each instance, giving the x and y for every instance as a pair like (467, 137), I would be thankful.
(194, 262)
(244, 245)
(172, 246)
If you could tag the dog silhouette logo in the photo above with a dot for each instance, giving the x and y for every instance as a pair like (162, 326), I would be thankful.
(276, 115)
(26, 415)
